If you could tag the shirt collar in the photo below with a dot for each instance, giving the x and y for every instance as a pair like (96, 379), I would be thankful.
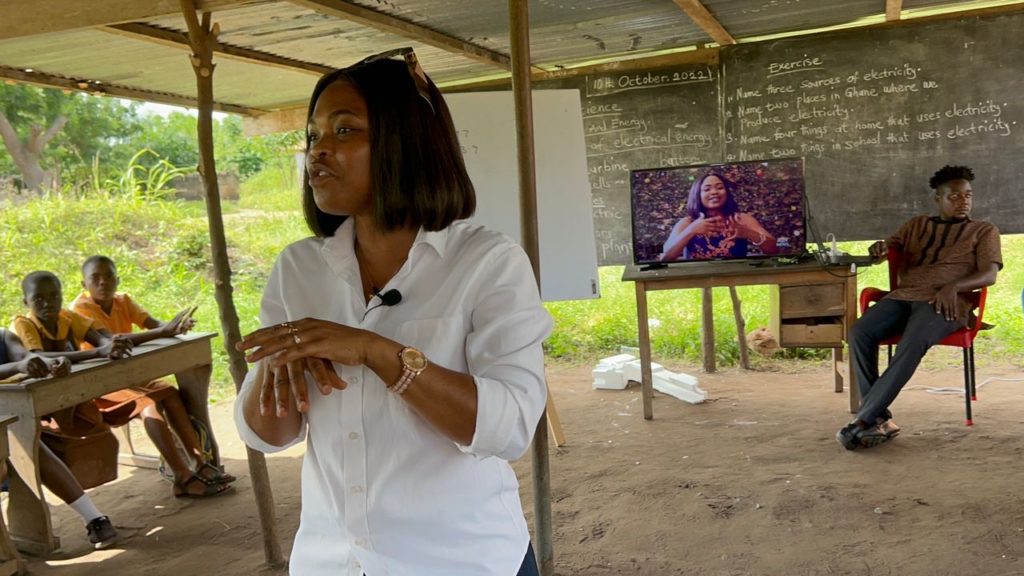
(341, 247)
(437, 240)
(62, 320)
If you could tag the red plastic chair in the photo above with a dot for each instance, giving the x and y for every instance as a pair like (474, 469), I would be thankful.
(962, 338)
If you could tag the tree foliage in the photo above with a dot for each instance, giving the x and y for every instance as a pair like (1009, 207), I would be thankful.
(94, 125)
(116, 131)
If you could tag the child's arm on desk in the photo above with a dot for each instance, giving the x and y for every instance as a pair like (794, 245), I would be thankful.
(104, 347)
(31, 364)
(180, 324)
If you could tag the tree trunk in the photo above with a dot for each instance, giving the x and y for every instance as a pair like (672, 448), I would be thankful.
(27, 155)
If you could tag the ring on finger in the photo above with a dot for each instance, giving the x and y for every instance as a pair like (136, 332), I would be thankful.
(296, 338)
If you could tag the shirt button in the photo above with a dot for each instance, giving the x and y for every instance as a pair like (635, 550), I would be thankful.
(353, 435)
(353, 380)
(357, 489)
(360, 542)
(355, 564)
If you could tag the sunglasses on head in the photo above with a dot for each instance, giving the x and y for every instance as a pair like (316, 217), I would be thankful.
(419, 77)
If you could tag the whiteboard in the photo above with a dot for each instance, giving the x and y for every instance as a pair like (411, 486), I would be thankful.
(485, 122)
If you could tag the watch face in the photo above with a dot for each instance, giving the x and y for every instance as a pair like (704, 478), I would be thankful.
(414, 359)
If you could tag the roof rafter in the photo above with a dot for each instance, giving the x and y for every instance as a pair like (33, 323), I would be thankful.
(707, 21)
(31, 17)
(385, 23)
(103, 89)
(175, 39)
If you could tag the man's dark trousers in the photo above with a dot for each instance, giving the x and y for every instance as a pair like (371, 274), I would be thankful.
(920, 327)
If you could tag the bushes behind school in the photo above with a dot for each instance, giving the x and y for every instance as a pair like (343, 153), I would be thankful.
(163, 257)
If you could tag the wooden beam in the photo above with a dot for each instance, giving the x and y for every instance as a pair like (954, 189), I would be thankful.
(893, 10)
(13, 75)
(175, 39)
(707, 56)
(30, 17)
(274, 122)
(391, 25)
(707, 22)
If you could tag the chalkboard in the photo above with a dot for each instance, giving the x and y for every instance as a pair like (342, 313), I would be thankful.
(877, 112)
(645, 119)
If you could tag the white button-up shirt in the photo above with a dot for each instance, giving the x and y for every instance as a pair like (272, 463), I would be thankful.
(383, 492)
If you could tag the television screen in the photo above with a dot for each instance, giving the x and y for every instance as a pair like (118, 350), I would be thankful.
(718, 212)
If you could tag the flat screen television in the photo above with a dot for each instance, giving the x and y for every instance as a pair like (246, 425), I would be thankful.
(718, 211)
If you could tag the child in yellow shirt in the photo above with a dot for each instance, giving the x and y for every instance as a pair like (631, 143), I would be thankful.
(115, 314)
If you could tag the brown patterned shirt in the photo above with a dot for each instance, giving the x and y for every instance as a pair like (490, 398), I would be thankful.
(937, 252)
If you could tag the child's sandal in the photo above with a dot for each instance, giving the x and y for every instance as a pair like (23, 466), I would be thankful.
(210, 488)
(219, 476)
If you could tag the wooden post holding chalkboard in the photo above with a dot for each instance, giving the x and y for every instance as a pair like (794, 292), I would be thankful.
(741, 328)
(708, 327)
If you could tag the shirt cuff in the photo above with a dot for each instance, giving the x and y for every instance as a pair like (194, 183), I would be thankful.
(247, 434)
(500, 425)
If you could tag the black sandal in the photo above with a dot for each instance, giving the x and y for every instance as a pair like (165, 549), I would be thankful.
(219, 476)
(210, 488)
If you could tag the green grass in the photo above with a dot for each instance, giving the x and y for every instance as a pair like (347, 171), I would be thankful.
(592, 328)
(161, 249)
(163, 257)
(275, 189)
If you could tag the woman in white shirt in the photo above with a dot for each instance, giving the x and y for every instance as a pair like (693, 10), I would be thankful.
(403, 344)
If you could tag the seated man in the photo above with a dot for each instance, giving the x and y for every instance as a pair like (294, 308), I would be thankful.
(115, 313)
(14, 359)
(50, 330)
(944, 257)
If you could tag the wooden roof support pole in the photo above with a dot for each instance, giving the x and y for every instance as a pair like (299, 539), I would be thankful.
(522, 86)
(707, 21)
(203, 38)
(893, 10)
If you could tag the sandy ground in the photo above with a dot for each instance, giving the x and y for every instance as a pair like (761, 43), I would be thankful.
(751, 483)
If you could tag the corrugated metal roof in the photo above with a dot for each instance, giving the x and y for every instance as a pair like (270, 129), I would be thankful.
(562, 32)
(94, 55)
(745, 18)
(296, 32)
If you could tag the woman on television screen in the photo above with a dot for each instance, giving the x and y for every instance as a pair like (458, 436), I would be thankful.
(714, 227)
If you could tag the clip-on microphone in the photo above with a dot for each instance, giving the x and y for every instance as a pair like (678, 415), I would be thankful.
(390, 298)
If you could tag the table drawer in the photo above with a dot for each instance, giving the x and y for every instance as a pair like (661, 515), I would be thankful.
(811, 336)
(811, 300)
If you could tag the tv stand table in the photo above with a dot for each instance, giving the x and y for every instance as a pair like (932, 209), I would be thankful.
(816, 290)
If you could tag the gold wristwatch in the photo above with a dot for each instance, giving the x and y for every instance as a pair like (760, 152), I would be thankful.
(413, 362)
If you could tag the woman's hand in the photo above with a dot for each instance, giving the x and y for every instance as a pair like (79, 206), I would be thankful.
(283, 387)
(293, 348)
(741, 227)
(703, 226)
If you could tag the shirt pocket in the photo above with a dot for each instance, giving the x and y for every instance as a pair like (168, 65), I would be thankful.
(442, 340)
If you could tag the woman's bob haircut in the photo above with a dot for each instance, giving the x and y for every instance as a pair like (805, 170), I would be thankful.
(417, 174)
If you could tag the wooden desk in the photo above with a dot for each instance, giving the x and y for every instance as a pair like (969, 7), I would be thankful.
(719, 274)
(187, 357)
(10, 561)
